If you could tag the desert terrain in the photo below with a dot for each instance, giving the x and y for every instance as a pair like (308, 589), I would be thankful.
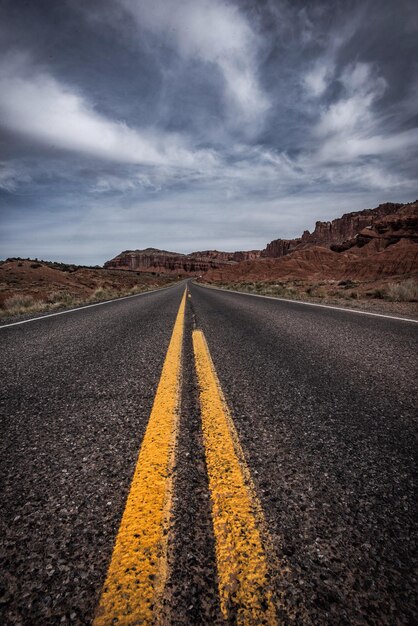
(365, 259)
(30, 286)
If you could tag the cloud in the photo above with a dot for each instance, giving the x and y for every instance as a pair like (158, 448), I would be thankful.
(35, 104)
(350, 127)
(353, 111)
(211, 32)
(111, 183)
(12, 176)
(100, 232)
(323, 67)
(199, 123)
(316, 81)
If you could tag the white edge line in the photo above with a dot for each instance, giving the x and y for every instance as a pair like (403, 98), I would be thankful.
(87, 306)
(323, 306)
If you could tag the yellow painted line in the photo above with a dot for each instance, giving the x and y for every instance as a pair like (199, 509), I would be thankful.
(245, 594)
(138, 569)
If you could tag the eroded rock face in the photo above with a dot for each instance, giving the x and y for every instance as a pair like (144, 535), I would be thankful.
(344, 229)
(173, 263)
(366, 245)
(331, 249)
(320, 263)
(280, 247)
(402, 224)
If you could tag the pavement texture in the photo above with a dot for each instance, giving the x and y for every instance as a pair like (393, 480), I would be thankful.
(323, 402)
(76, 394)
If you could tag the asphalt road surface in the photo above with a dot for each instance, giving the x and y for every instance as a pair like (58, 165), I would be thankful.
(322, 449)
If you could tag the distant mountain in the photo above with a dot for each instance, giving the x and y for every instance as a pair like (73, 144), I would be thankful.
(343, 247)
(391, 217)
(174, 263)
(366, 245)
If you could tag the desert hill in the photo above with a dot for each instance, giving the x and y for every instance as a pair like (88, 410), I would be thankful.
(362, 245)
(320, 263)
(30, 285)
(176, 264)
(384, 244)
(371, 253)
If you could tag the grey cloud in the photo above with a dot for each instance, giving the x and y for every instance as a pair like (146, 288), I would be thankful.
(124, 123)
(216, 33)
(35, 104)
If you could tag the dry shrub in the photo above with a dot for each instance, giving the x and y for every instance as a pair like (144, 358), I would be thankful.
(316, 291)
(262, 288)
(275, 290)
(22, 303)
(101, 293)
(19, 301)
(61, 298)
(406, 291)
(136, 289)
(19, 304)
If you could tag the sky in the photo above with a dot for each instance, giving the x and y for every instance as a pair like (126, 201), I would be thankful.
(199, 124)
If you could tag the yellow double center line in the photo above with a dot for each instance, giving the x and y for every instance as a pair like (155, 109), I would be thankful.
(245, 596)
(138, 569)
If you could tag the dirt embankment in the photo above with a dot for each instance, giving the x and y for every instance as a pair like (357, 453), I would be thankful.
(32, 286)
(379, 261)
(318, 263)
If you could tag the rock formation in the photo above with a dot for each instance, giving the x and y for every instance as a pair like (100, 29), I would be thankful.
(337, 232)
(173, 263)
(371, 243)
(279, 247)
(366, 245)
(320, 263)
(385, 231)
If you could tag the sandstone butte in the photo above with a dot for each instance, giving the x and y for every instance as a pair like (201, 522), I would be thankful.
(372, 244)
(174, 263)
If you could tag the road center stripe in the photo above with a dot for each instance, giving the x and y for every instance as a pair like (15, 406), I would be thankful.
(138, 569)
(245, 595)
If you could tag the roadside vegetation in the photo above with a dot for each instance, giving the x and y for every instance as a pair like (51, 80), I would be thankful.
(25, 304)
(21, 304)
(406, 291)
(403, 291)
(30, 286)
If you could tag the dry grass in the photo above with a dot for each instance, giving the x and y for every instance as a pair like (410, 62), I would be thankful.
(266, 289)
(23, 304)
(20, 304)
(28, 286)
(19, 301)
(62, 298)
(316, 291)
(104, 293)
(140, 289)
(108, 293)
(406, 291)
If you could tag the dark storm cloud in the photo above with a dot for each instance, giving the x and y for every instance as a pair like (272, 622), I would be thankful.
(125, 123)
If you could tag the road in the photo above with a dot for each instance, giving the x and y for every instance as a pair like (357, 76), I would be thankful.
(291, 426)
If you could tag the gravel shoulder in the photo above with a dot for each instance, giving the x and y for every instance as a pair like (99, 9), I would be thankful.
(384, 307)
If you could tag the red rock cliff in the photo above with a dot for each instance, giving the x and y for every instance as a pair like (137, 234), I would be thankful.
(337, 232)
(163, 262)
